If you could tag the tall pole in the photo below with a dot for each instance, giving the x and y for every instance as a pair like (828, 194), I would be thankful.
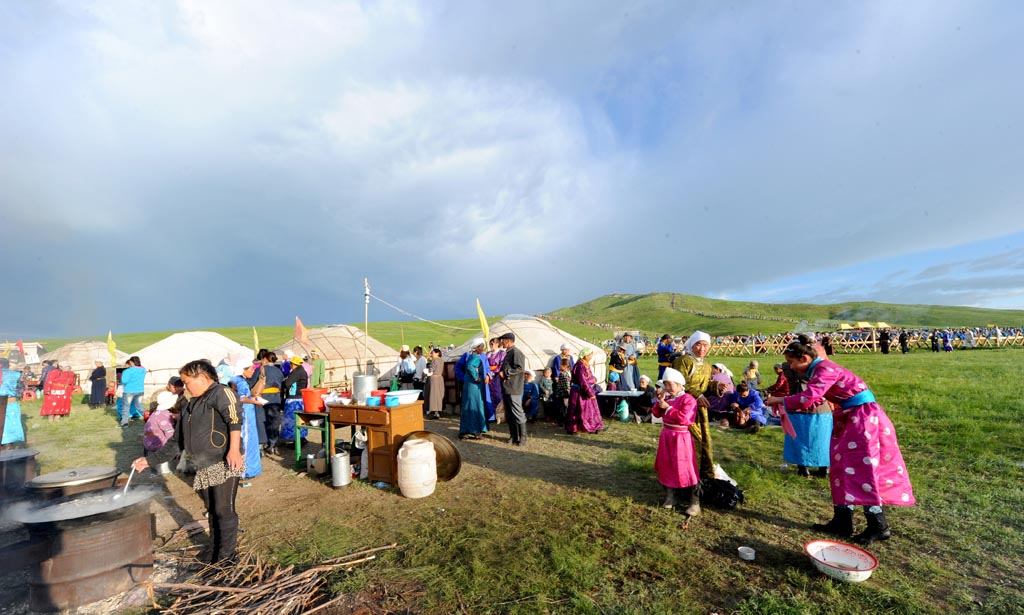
(366, 317)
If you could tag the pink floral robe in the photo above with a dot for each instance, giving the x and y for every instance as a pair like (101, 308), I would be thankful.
(583, 413)
(676, 459)
(867, 466)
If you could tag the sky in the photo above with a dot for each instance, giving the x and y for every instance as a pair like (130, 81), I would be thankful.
(190, 164)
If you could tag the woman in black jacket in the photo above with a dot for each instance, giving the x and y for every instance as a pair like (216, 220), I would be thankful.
(209, 431)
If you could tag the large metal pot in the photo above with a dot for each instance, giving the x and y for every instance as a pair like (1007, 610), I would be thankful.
(83, 548)
(362, 386)
(17, 467)
(69, 482)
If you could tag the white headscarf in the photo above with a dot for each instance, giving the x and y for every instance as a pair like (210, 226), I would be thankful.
(477, 341)
(698, 336)
(725, 370)
(673, 375)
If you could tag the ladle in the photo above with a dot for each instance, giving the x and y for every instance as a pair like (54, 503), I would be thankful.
(127, 482)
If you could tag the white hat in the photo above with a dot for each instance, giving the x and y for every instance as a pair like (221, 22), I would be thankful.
(477, 341)
(404, 348)
(240, 367)
(698, 336)
(64, 364)
(100, 360)
(288, 354)
(166, 400)
(529, 372)
(673, 375)
(645, 377)
(565, 347)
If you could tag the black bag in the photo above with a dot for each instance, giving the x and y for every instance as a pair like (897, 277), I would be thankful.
(720, 493)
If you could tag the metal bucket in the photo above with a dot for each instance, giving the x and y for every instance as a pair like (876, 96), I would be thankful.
(17, 467)
(362, 386)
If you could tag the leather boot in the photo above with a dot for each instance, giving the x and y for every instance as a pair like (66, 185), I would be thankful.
(692, 499)
(670, 498)
(840, 525)
(878, 529)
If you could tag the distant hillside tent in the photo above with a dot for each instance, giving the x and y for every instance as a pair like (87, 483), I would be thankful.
(864, 325)
(883, 325)
(341, 348)
(82, 356)
(845, 327)
(540, 342)
(163, 359)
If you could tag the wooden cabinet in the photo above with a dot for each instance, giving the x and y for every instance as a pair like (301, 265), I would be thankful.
(383, 426)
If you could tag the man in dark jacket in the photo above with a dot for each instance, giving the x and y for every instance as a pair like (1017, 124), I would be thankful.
(512, 370)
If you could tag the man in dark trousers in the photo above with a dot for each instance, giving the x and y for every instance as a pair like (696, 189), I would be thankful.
(512, 370)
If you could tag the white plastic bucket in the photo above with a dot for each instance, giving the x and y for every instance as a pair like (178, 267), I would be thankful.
(417, 468)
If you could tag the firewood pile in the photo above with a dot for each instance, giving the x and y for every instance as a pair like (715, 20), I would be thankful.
(254, 587)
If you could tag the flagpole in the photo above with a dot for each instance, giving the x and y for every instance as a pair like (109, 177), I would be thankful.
(366, 317)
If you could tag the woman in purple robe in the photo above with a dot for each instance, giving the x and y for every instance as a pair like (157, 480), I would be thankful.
(495, 357)
(584, 415)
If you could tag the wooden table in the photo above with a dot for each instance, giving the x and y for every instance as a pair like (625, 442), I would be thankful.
(383, 426)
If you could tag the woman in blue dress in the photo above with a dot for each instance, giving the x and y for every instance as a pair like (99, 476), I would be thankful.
(473, 419)
(10, 390)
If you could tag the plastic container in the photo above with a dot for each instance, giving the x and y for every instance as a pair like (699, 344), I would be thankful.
(417, 468)
(841, 561)
(403, 397)
(391, 401)
(373, 401)
(312, 400)
(746, 553)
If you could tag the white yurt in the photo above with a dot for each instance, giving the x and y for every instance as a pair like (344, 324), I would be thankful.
(163, 359)
(82, 356)
(342, 349)
(540, 341)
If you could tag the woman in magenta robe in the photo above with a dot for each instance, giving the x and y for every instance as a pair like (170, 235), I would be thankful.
(584, 415)
(867, 466)
(495, 357)
(57, 392)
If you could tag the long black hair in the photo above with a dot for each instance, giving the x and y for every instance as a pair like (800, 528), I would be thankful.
(803, 346)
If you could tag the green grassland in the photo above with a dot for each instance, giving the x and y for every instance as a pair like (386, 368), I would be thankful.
(571, 524)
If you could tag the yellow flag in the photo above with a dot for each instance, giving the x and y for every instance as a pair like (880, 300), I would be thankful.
(7, 351)
(255, 340)
(483, 321)
(112, 349)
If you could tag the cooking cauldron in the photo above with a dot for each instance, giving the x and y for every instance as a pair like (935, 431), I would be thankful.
(17, 467)
(82, 548)
(69, 482)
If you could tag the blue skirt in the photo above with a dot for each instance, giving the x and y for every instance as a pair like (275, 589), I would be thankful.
(13, 430)
(291, 406)
(813, 434)
(251, 442)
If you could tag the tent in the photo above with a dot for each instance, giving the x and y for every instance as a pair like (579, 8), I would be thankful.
(883, 325)
(341, 348)
(82, 356)
(540, 342)
(164, 358)
(864, 325)
(845, 327)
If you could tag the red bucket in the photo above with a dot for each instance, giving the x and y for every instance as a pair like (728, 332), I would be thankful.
(311, 400)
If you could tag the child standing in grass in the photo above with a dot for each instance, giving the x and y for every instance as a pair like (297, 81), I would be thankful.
(544, 387)
(676, 460)
(867, 465)
(752, 376)
(531, 396)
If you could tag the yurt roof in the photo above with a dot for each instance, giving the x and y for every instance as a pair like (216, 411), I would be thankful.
(341, 348)
(82, 355)
(540, 341)
(163, 359)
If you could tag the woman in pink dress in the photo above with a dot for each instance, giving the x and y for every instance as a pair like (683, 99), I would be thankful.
(867, 466)
(584, 415)
(676, 460)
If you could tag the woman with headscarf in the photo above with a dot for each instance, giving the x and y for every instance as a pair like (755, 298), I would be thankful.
(473, 419)
(697, 373)
(57, 392)
(294, 382)
(495, 358)
(584, 414)
(209, 431)
(630, 376)
(98, 390)
(250, 436)
(273, 409)
(723, 374)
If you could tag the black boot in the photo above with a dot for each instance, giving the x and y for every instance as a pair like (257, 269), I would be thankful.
(841, 524)
(802, 471)
(821, 472)
(877, 529)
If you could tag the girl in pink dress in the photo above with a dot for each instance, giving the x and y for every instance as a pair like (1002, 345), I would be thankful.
(867, 466)
(676, 461)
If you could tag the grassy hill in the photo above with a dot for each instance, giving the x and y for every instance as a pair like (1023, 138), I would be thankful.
(671, 312)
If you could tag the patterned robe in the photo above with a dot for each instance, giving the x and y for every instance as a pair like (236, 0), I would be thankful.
(867, 466)
(57, 393)
(698, 379)
(584, 415)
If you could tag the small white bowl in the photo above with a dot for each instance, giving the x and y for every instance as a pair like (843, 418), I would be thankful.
(841, 561)
(746, 553)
